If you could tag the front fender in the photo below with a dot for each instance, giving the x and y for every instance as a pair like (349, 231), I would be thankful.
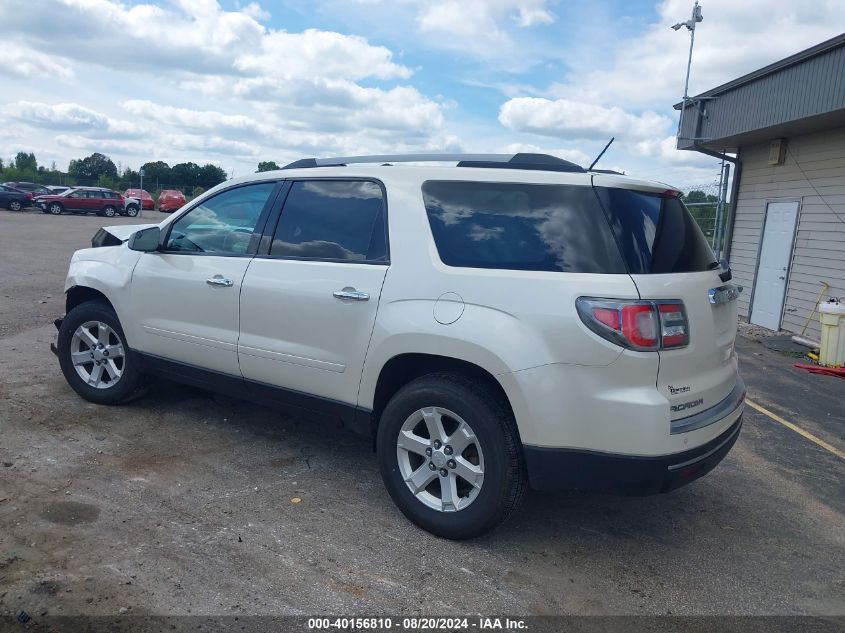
(107, 270)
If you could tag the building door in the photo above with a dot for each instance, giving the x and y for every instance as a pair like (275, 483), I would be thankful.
(775, 256)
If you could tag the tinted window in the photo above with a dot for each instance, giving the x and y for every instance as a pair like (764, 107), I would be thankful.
(222, 224)
(656, 233)
(332, 219)
(520, 226)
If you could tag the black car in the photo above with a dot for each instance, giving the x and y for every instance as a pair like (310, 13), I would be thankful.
(29, 187)
(14, 199)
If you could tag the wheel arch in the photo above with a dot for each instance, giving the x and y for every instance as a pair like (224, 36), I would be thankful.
(77, 295)
(401, 369)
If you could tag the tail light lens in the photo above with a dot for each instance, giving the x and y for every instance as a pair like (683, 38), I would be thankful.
(29, 195)
(638, 325)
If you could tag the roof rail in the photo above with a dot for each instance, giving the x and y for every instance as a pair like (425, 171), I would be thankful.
(543, 162)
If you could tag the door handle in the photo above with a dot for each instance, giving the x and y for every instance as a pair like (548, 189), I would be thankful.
(350, 293)
(219, 280)
(782, 277)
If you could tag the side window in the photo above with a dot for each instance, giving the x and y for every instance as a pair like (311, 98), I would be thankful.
(97, 195)
(222, 224)
(333, 220)
(77, 194)
(559, 228)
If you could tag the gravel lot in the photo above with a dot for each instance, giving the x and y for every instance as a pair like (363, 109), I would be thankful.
(184, 502)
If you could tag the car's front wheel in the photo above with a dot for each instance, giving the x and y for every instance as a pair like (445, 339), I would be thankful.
(450, 455)
(94, 357)
(132, 211)
(15, 205)
(55, 208)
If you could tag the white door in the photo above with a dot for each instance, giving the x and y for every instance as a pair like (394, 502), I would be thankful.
(775, 254)
(185, 298)
(308, 307)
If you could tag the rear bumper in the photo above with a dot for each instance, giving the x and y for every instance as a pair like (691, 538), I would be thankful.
(591, 471)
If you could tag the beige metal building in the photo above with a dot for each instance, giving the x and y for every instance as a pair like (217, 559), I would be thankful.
(785, 125)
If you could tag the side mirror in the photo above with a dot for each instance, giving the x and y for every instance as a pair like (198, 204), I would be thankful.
(146, 240)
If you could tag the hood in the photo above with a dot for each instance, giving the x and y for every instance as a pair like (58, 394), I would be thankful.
(123, 231)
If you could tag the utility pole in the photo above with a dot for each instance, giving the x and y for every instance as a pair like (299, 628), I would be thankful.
(721, 209)
(695, 18)
(141, 201)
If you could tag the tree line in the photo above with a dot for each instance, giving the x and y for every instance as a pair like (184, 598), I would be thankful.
(100, 170)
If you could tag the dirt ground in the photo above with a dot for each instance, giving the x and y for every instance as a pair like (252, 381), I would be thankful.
(184, 502)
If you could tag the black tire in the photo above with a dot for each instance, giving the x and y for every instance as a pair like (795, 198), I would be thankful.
(130, 381)
(109, 211)
(15, 205)
(491, 420)
(132, 211)
(54, 208)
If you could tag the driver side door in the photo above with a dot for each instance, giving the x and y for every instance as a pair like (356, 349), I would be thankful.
(185, 297)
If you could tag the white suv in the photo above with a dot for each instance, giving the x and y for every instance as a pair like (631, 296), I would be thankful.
(505, 322)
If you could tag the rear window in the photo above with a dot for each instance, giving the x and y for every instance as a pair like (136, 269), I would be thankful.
(520, 227)
(656, 233)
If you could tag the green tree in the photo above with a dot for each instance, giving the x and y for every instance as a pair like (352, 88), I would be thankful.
(26, 162)
(267, 165)
(211, 175)
(93, 167)
(158, 172)
(186, 174)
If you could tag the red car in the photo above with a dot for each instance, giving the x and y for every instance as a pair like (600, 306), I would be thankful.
(86, 200)
(169, 200)
(147, 202)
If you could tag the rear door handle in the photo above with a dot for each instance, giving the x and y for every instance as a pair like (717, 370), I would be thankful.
(350, 293)
(219, 280)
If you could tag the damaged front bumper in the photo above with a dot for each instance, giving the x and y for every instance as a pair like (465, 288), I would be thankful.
(58, 324)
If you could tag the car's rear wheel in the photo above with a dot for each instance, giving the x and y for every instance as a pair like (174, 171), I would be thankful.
(450, 455)
(94, 357)
(132, 211)
(55, 208)
(109, 211)
(15, 205)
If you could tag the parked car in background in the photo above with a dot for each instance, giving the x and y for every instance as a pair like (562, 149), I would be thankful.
(14, 199)
(58, 188)
(29, 187)
(147, 202)
(88, 200)
(170, 199)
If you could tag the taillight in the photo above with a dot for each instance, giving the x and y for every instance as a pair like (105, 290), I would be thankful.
(637, 325)
(29, 196)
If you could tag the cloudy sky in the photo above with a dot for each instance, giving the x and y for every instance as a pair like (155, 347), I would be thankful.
(235, 82)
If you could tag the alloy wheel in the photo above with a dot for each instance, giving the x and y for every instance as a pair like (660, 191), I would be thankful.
(98, 354)
(440, 459)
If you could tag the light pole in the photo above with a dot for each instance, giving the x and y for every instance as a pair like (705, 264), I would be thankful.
(690, 24)
(141, 201)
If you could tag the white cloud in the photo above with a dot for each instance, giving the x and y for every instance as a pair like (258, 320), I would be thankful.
(565, 118)
(256, 12)
(194, 119)
(319, 53)
(21, 61)
(70, 116)
(209, 40)
(735, 38)
(479, 27)
(664, 149)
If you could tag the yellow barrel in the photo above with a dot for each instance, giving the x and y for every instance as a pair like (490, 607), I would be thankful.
(832, 348)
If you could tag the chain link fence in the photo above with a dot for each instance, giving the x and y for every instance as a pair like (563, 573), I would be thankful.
(703, 203)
